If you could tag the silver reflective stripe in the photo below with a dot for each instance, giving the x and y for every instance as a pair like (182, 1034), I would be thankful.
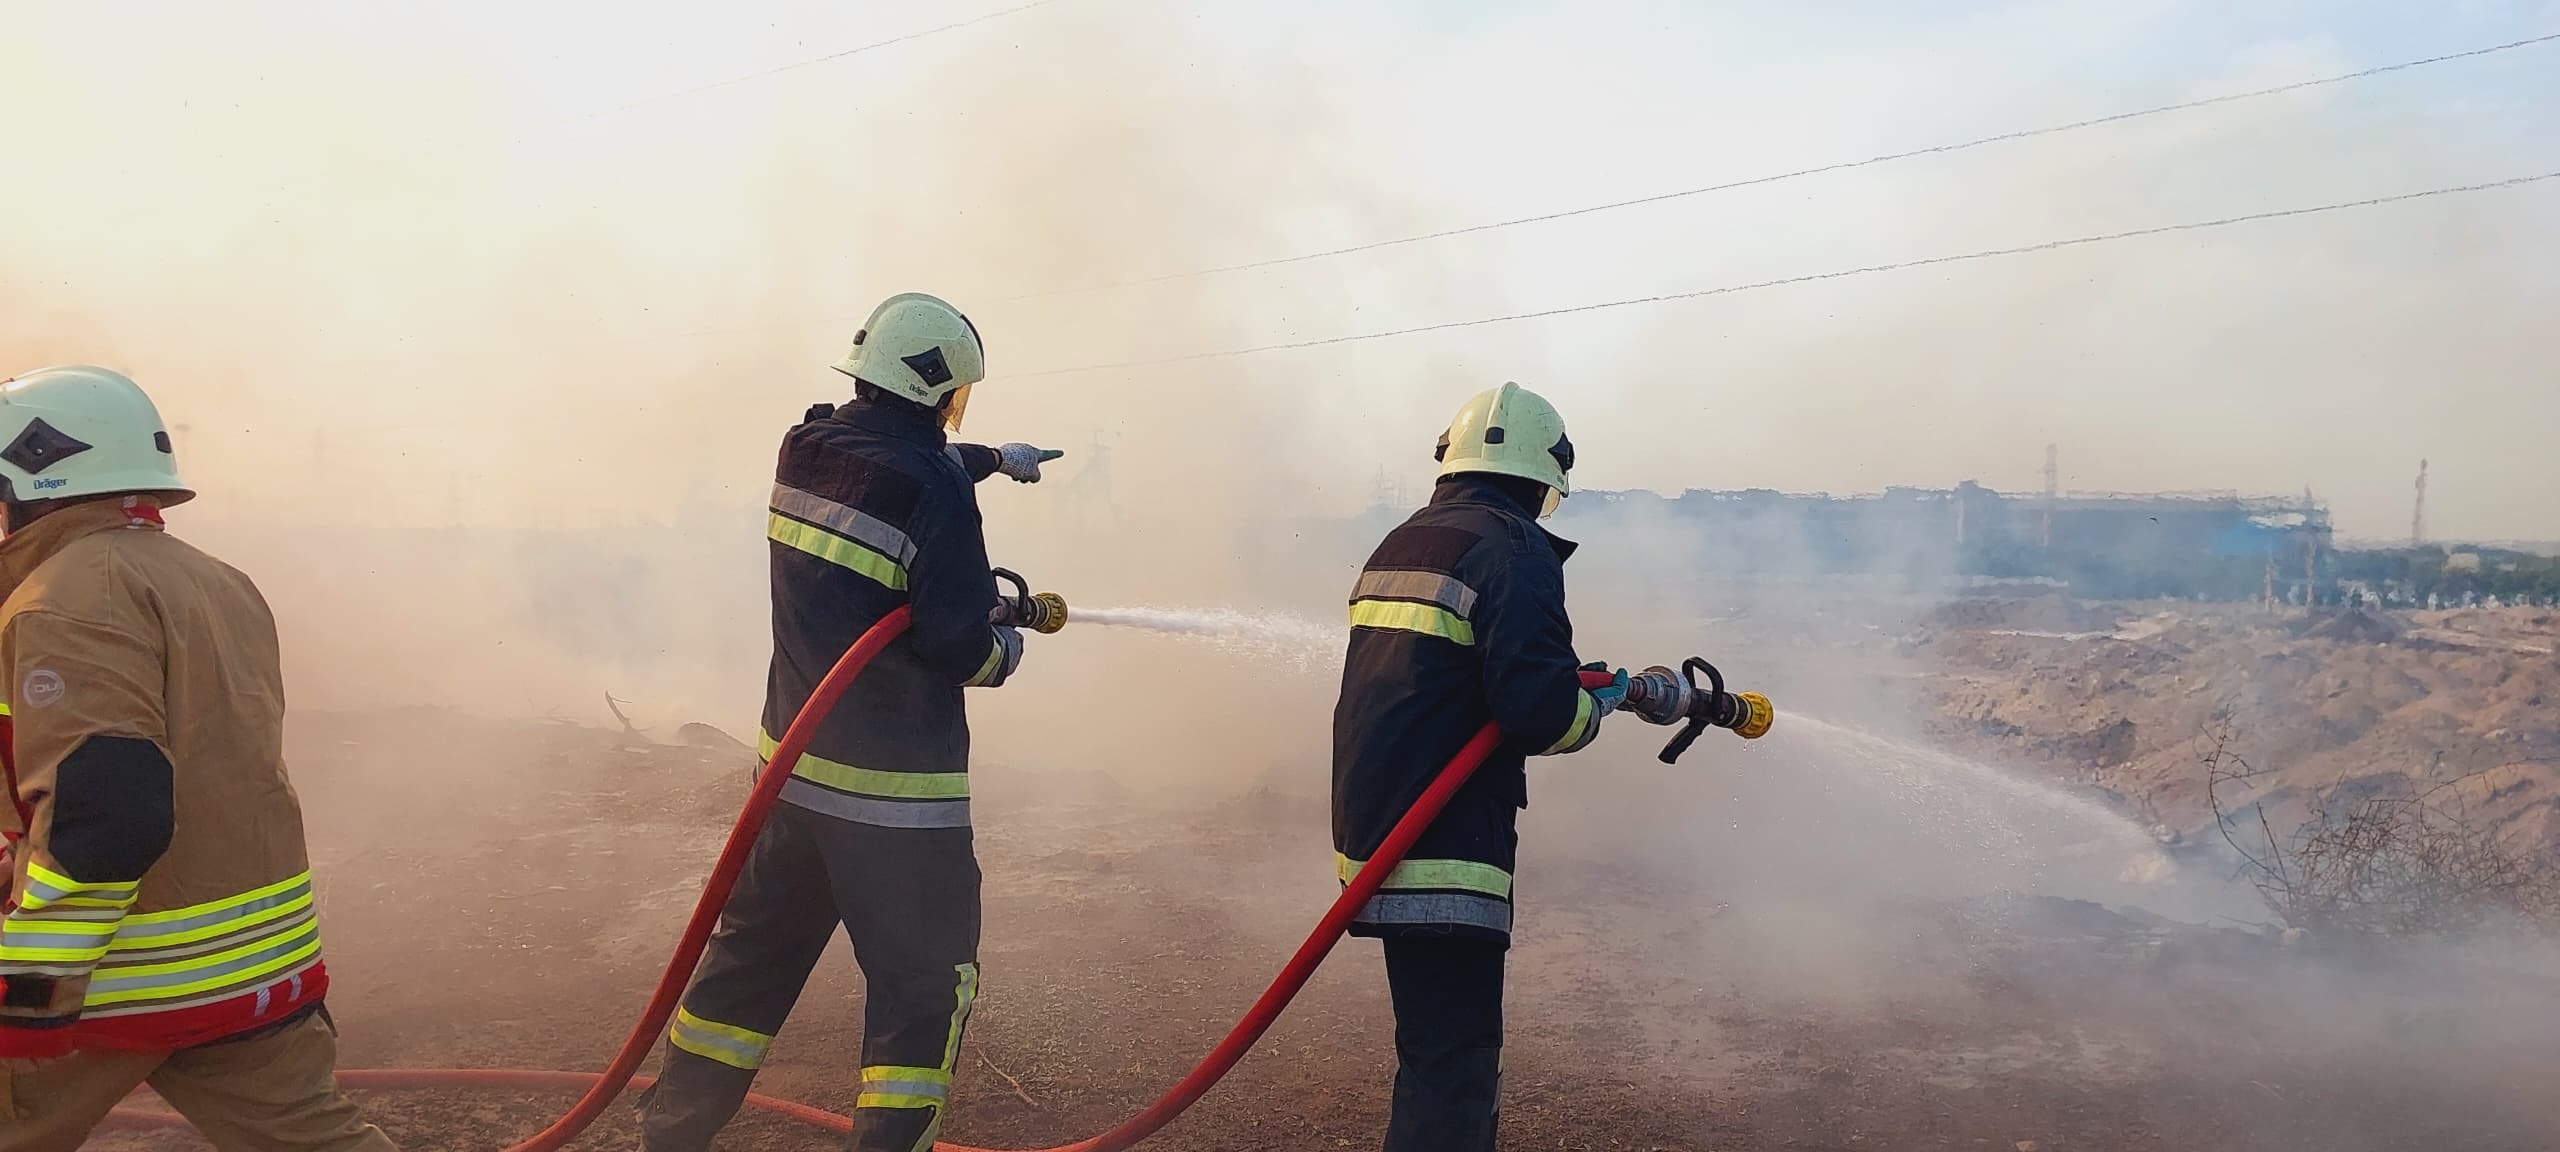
(1437, 908)
(40, 892)
(1431, 587)
(291, 975)
(108, 980)
(924, 1088)
(861, 527)
(142, 931)
(801, 793)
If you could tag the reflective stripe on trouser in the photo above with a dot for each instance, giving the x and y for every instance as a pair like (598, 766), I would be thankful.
(742, 1048)
(908, 898)
(1430, 891)
(871, 796)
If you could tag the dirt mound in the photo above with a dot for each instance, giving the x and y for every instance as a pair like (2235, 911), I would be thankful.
(2355, 626)
(2312, 704)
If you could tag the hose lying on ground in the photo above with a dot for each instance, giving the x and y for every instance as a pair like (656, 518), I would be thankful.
(601, 1088)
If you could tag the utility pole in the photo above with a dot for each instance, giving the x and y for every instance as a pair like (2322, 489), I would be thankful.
(2310, 555)
(2418, 515)
(2052, 491)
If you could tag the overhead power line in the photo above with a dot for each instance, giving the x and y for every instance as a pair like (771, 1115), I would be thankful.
(1817, 170)
(829, 58)
(1808, 278)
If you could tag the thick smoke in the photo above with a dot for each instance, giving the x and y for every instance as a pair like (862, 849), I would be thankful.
(479, 342)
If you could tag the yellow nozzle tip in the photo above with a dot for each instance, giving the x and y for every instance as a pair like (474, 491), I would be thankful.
(1757, 716)
(1056, 616)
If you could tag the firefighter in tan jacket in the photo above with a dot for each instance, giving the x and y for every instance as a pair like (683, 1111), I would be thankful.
(158, 925)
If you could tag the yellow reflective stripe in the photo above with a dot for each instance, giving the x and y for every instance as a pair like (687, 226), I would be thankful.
(51, 927)
(46, 888)
(871, 781)
(4, 707)
(1402, 616)
(224, 904)
(963, 996)
(1585, 709)
(716, 1052)
(726, 1043)
(36, 903)
(896, 1100)
(836, 550)
(987, 671)
(1464, 875)
(223, 968)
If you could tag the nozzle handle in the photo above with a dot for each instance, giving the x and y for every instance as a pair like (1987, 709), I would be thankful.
(1016, 608)
(1044, 612)
(1702, 712)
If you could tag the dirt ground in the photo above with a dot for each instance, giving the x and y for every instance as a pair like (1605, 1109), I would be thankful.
(502, 894)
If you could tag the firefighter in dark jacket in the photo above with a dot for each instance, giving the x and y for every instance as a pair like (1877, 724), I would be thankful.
(1458, 619)
(872, 509)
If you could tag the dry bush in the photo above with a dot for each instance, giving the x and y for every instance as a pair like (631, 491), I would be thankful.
(2381, 856)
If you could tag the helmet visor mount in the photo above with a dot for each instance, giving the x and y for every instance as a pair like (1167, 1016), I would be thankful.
(1563, 453)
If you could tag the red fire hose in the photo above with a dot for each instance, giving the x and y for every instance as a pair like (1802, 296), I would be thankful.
(602, 1088)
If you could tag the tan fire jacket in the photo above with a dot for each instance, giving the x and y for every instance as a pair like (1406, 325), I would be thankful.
(113, 628)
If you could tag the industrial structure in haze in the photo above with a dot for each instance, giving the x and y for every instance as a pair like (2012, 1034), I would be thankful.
(2209, 545)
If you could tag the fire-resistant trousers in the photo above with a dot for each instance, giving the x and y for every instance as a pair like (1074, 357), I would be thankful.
(908, 900)
(274, 1091)
(1448, 999)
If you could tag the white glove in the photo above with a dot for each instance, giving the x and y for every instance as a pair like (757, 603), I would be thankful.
(1022, 461)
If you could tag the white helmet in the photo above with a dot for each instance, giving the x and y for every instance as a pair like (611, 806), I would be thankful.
(919, 347)
(1510, 431)
(83, 431)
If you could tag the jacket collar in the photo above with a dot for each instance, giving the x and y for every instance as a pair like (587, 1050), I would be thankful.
(894, 417)
(28, 548)
(1480, 489)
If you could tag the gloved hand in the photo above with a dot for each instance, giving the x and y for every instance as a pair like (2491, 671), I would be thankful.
(1022, 461)
(1611, 694)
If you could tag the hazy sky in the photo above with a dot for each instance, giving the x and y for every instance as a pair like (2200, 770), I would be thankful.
(494, 262)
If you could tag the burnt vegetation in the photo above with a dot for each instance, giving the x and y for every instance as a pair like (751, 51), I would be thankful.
(2377, 856)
